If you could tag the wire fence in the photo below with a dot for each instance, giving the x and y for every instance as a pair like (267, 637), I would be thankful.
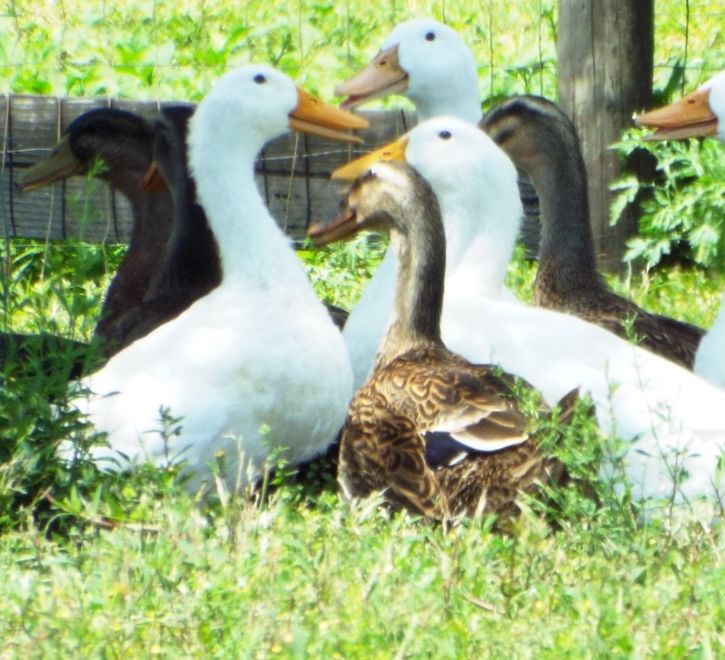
(152, 49)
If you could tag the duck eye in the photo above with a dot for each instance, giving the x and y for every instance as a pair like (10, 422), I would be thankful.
(260, 79)
(444, 135)
(430, 36)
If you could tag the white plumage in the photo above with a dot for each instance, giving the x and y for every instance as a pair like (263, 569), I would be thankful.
(255, 365)
(481, 223)
(669, 418)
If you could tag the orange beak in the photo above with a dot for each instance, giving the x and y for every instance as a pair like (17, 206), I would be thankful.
(381, 77)
(355, 168)
(691, 116)
(313, 116)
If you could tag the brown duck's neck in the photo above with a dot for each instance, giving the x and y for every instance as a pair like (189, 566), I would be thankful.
(139, 267)
(152, 222)
(566, 253)
(418, 302)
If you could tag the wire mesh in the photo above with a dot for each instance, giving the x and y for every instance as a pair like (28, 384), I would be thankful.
(148, 50)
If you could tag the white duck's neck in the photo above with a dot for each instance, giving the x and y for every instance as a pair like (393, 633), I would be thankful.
(250, 244)
(456, 100)
(481, 231)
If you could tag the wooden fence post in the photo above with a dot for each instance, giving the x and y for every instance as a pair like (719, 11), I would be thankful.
(605, 58)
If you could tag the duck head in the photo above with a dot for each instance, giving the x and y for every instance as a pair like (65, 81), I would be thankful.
(257, 103)
(428, 63)
(390, 196)
(473, 179)
(122, 140)
(531, 130)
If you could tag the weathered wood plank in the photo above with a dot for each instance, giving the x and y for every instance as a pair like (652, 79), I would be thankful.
(605, 58)
(292, 172)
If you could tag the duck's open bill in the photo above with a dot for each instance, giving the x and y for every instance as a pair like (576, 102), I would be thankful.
(61, 164)
(344, 224)
(358, 167)
(313, 116)
(691, 116)
(381, 77)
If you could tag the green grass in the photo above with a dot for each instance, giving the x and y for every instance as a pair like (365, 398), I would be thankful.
(334, 581)
(109, 566)
(134, 565)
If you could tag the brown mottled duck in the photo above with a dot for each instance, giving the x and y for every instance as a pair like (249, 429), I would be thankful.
(435, 433)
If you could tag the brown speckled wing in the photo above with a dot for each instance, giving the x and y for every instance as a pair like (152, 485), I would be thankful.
(409, 478)
(432, 392)
(443, 393)
(383, 451)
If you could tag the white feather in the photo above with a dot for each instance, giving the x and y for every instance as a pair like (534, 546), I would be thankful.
(254, 366)
(667, 416)
(710, 357)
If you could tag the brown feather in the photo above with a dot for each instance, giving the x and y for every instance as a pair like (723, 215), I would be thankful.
(542, 141)
(420, 391)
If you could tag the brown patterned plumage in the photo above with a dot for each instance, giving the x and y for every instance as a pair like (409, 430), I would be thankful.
(542, 141)
(412, 428)
(436, 434)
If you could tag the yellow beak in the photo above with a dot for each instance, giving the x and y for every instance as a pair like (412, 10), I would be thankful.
(691, 116)
(313, 116)
(355, 168)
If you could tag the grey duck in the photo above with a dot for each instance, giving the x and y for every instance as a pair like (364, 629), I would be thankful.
(542, 141)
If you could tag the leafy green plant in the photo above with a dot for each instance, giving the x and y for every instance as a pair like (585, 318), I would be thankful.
(683, 210)
(340, 272)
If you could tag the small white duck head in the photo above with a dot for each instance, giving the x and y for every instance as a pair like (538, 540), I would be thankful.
(246, 108)
(699, 114)
(473, 179)
(428, 63)
(257, 103)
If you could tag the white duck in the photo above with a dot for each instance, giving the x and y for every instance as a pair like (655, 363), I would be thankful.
(710, 357)
(668, 417)
(429, 63)
(699, 114)
(256, 364)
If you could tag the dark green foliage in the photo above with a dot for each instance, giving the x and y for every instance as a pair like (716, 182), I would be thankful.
(683, 210)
